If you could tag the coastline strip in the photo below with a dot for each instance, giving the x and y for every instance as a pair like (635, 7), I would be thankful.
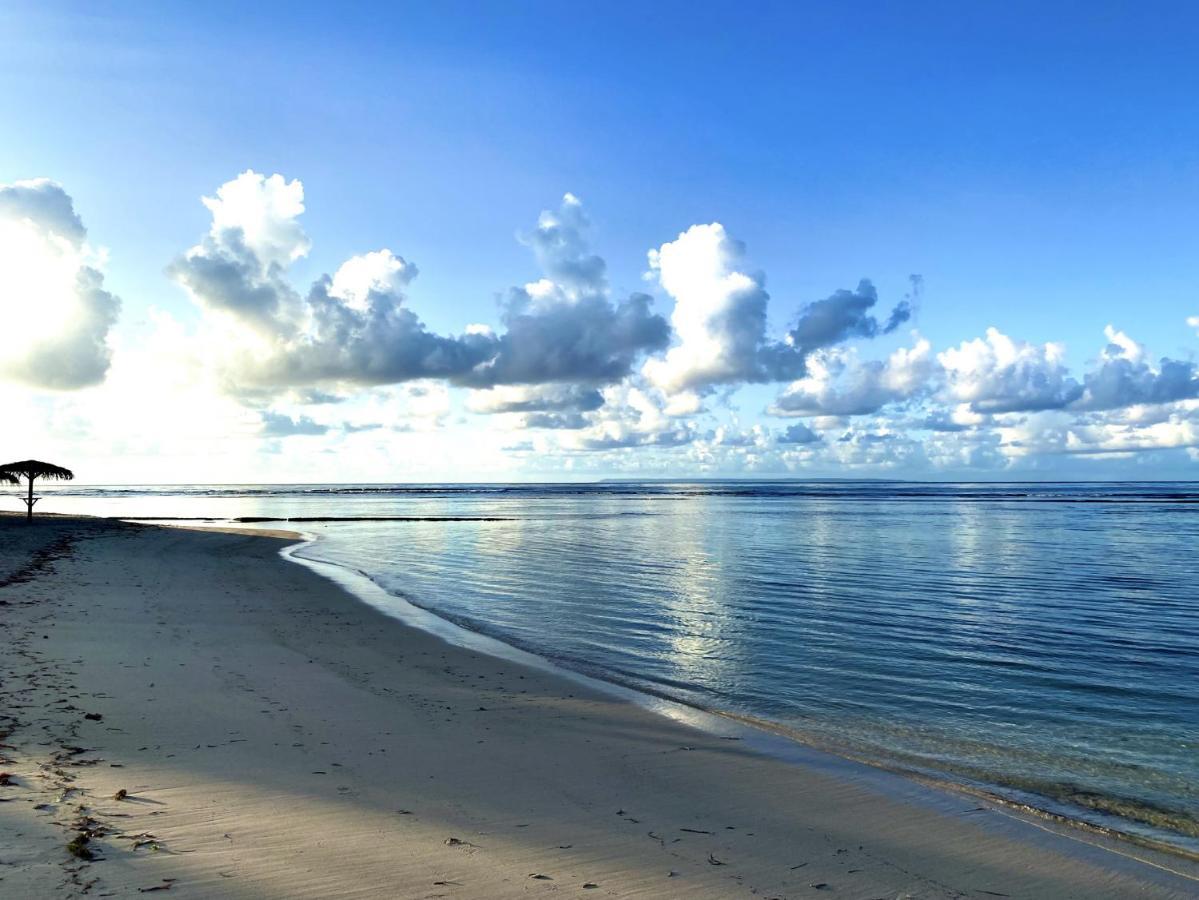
(273, 736)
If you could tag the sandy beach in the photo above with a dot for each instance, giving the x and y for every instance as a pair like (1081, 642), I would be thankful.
(201, 716)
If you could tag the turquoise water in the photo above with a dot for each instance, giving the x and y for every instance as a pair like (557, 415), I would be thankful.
(1040, 641)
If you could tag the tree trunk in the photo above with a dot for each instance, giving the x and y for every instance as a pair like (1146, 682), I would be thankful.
(29, 502)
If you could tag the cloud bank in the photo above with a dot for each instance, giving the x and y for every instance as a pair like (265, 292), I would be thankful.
(571, 372)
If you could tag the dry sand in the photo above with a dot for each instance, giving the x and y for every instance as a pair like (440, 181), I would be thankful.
(276, 737)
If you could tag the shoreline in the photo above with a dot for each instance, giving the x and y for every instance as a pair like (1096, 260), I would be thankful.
(758, 732)
(711, 719)
(289, 740)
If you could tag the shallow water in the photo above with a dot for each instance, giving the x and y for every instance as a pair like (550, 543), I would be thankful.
(1041, 641)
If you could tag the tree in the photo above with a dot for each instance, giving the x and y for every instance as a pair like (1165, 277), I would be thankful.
(31, 469)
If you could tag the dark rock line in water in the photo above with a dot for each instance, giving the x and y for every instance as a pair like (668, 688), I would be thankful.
(248, 519)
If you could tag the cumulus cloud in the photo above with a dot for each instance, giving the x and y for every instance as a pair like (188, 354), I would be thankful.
(1124, 376)
(842, 316)
(356, 329)
(45, 205)
(720, 316)
(337, 341)
(1175, 432)
(1118, 432)
(724, 436)
(56, 312)
(630, 417)
(551, 337)
(263, 213)
(838, 383)
(240, 266)
(564, 327)
(998, 374)
(996, 400)
(560, 245)
(380, 272)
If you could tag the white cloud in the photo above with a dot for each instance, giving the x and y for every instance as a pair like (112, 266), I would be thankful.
(838, 383)
(874, 445)
(719, 318)
(1102, 434)
(630, 417)
(999, 374)
(719, 315)
(262, 214)
(560, 245)
(1125, 377)
(1177, 431)
(564, 327)
(56, 314)
(380, 272)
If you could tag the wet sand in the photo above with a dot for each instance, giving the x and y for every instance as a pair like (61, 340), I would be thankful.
(276, 737)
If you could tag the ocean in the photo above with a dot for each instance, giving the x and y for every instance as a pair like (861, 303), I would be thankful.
(1039, 642)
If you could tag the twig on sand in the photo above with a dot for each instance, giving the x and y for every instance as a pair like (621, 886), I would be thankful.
(165, 886)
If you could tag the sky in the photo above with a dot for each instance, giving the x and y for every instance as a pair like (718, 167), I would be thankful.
(545, 241)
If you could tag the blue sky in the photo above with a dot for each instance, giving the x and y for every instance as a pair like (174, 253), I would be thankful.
(1036, 164)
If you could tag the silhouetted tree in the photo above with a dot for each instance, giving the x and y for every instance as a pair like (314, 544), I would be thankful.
(31, 469)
